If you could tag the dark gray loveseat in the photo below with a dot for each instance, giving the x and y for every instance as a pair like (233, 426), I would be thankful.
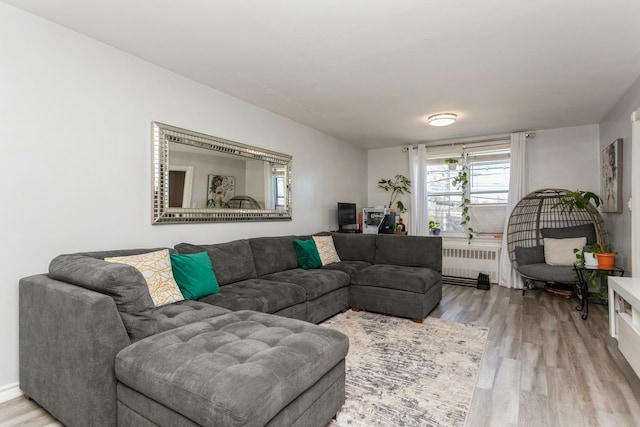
(87, 326)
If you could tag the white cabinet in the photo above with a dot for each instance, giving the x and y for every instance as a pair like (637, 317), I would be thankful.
(624, 317)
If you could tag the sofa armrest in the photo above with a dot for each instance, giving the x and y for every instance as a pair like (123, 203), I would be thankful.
(69, 338)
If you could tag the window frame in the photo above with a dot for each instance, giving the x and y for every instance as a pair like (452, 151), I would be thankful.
(497, 152)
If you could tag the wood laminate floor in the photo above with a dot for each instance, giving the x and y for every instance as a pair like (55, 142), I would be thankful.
(543, 366)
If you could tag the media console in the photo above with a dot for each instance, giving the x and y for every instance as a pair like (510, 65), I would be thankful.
(624, 317)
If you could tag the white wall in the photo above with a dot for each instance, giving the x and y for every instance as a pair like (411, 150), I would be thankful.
(617, 124)
(385, 163)
(564, 158)
(556, 158)
(75, 120)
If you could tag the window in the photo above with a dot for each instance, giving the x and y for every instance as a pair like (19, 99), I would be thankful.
(279, 193)
(488, 188)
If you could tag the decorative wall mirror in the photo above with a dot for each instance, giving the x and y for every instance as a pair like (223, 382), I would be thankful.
(201, 178)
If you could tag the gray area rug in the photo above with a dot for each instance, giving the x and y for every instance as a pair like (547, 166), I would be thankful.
(401, 373)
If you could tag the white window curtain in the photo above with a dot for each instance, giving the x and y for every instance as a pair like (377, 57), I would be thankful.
(418, 211)
(508, 276)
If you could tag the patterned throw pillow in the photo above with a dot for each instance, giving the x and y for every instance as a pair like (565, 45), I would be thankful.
(326, 249)
(156, 269)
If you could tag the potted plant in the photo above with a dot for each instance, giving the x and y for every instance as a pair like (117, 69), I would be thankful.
(453, 163)
(434, 228)
(399, 185)
(606, 257)
(599, 271)
(578, 199)
(589, 256)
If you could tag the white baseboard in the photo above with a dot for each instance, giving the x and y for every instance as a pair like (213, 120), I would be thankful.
(9, 392)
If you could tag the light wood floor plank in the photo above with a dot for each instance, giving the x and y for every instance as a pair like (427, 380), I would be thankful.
(543, 365)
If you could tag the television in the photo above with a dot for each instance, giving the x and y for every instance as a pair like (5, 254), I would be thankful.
(347, 218)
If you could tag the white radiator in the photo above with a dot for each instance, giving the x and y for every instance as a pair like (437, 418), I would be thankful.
(469, 260)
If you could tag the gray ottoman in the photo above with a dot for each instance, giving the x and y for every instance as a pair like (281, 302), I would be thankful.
(238, 369)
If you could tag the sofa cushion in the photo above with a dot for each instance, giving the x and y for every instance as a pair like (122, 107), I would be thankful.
(584, 230)
(409, 251)
(273, 254)
(231, 261)
(261, 295)
(349, 267)
(156, 269)
(549, 273)
(124, 283)
(241, 368)
(194, 275)
(410, 279)
(315, 282)
(186, 312)
(355, 247)
(307, 254)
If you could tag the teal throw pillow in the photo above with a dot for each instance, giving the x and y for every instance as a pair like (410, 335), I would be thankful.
(307, 254)
(194, 275)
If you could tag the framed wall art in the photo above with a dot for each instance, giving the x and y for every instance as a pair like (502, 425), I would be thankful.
(611, 177)
(220, 189)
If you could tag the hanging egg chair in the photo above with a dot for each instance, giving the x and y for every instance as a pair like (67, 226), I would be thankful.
(539, 215)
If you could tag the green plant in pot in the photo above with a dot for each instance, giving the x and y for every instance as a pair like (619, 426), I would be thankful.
(606, 257)
(599, 272)
(587, 257)
(399, 185)
(452, 163)
(434, 228)
(578, 199)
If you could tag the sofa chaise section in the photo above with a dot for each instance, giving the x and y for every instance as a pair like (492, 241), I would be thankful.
(242, 368)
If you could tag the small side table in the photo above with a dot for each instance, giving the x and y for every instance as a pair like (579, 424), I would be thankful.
(582, 286)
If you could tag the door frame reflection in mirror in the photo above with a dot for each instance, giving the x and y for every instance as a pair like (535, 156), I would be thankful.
(162, 213)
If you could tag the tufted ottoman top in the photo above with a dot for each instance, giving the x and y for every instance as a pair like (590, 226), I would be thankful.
(240, 368)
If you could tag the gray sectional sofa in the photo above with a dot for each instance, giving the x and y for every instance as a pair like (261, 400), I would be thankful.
(94, 350)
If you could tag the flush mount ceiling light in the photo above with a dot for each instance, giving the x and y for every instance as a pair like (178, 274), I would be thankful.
(444, 119)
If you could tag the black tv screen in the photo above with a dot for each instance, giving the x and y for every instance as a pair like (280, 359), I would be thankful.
(346, 214)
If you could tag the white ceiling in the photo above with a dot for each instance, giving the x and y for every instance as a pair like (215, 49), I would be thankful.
(371, 71)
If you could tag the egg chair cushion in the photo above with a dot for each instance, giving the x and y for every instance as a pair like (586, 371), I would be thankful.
(548, 273)
(584, 230)
(533, 255)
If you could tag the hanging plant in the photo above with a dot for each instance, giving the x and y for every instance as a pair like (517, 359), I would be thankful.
(452, 163)
(461, 181)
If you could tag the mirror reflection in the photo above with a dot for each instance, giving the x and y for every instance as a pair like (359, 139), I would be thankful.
(201, 178)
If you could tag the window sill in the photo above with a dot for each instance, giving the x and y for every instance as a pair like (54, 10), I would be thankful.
(462, 239)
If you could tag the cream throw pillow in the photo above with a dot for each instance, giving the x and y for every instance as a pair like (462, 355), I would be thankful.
(156, 269)
(326, 249)
(560, 251)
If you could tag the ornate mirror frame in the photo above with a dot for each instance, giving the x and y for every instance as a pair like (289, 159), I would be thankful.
(162, 213)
